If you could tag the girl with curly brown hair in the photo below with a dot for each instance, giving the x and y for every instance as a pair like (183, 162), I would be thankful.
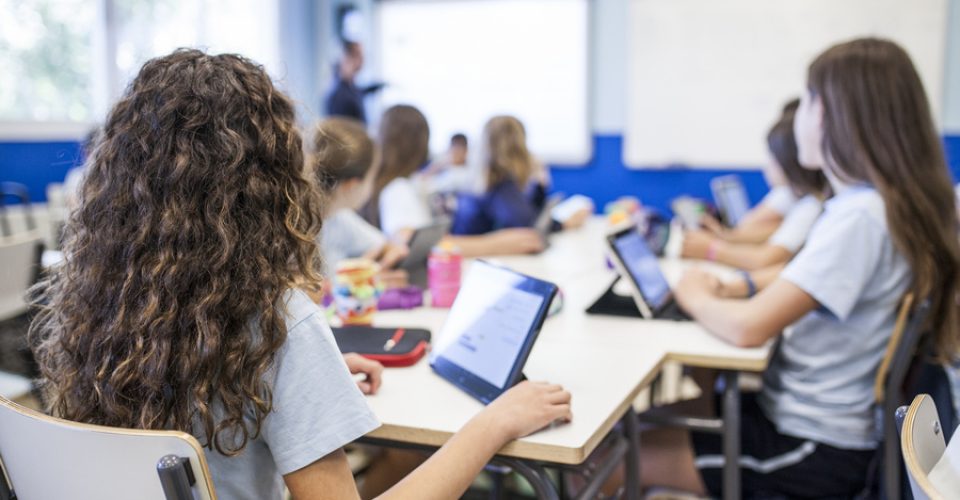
(177, 304)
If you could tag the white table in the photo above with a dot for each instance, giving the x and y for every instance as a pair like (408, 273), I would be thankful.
(603, 361)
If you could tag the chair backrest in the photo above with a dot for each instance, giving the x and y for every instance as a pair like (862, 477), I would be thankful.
(923, 445)
(46, 457)
(20, 258)
(888, 386)
(20, 193)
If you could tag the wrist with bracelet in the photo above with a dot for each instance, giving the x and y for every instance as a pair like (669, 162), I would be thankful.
(751, 285)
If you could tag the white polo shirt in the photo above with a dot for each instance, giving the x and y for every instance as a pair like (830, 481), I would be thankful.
(819, 384)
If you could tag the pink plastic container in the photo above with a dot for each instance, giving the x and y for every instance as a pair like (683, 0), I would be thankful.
(443, 275)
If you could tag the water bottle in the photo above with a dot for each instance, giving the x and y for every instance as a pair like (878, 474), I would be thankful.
(443, 274)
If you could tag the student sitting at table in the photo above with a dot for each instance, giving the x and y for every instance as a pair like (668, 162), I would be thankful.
(177, 305)
(343, 161)
(809, 186)
(758, 224)
(398, 207)
(453, 172)
(509, 170)
(889, 229)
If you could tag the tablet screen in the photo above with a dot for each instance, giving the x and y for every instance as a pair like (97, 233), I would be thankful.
(644, 268)
(732, 198)
(491, 326)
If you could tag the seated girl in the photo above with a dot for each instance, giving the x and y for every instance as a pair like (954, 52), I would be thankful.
(809, 186)
(399, 208)
(176, 307)
(510, 171)
(343, 161)
(864, 119)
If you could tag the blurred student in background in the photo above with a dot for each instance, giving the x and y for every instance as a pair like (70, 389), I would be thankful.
(807, 187)
(344, 160)
(398, 207)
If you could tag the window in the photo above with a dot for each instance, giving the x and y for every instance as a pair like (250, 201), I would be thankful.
(46, 52)
(150, 28)
(67, 60)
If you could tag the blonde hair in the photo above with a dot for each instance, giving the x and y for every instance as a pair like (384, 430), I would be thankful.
(505, 151)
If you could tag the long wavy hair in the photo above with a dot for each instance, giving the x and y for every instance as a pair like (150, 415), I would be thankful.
(404, 140)
(196, 216)
(878, 129)
(505, 153)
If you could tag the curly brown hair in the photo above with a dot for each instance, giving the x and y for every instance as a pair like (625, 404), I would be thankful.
(196, 217)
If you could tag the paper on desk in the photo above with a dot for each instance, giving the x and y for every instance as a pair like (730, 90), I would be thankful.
(945, 475)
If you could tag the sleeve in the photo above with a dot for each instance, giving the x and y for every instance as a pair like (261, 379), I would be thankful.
(508, 207)
(838, 261)
(402, 208)
(317, 407)
(363, 236)
(780, 199)
(795, 228)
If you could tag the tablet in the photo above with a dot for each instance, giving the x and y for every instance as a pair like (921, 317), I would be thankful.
(731, 198)
(490, 330)
(544, 222)
(639, 265)
(421, 243)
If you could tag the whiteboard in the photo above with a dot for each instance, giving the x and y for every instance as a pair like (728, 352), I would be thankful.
(707, 78)
(464, 61)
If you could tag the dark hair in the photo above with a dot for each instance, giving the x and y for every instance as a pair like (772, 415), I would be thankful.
(783, 147)
(878, 130)
(404, 148)
(342, 151)
(458, 140)
(196, 218)
(350, 47)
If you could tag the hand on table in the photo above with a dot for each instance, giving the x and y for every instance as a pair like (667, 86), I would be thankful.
(528, 407)
(389, 255)
(696, 244)
(695, 285)
(373, 371)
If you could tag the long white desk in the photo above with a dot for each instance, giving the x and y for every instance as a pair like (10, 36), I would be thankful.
(603, 361)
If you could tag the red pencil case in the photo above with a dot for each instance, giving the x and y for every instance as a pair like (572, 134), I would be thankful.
(370, 342)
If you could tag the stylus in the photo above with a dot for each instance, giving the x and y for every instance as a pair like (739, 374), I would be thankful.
(397, 337)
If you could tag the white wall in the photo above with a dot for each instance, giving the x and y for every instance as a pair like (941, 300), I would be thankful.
(609, 53)
(951, 97)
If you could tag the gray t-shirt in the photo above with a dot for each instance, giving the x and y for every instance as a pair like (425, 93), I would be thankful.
(346, 235)
(819, 385)
(317, 409)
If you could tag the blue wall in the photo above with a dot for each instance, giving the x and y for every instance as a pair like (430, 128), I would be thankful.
(604, 178)
(37, 164)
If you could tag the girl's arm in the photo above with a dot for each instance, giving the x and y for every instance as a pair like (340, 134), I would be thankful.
(449, 472)
(700, 245)
(738, 288)
(744, 323)
(752, 232)
(513, 241)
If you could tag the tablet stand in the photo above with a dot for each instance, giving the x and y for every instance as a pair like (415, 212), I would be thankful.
(613, 304)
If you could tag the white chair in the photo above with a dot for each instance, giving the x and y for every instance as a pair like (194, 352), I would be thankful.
(921, 437)
(46, 457)
(13, 386)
